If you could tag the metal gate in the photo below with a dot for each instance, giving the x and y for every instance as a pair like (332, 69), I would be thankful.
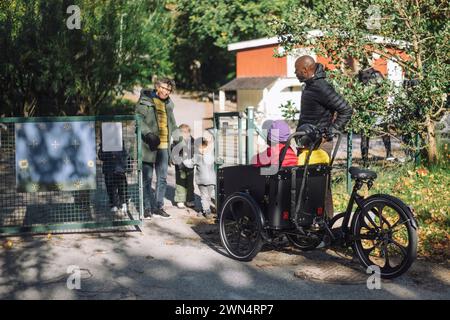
(235, 136)
(230, 129)
(55, 174)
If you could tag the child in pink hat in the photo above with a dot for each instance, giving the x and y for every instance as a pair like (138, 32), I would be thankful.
(277, 137)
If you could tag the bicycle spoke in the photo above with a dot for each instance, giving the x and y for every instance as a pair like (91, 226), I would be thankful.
(370, 220)
(386, 221)
(402, 248)
(367, 236)
(368, 251)
(380, 214)
(397, 224)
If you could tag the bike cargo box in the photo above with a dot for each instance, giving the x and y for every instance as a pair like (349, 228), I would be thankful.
(273, 192)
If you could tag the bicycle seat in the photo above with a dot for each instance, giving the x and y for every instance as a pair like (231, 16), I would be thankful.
(362, 174)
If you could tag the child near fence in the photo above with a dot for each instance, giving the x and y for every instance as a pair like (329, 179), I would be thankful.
(183, 146)
(114, 169)
(205, 175)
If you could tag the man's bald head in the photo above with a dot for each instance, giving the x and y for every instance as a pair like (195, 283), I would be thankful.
(305, 66)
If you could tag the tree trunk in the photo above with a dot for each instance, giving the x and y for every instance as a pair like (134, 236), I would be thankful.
(29, 108)
(82, 109)
(432, 153)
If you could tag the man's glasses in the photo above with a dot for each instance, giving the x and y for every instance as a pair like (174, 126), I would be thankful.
(169, 90)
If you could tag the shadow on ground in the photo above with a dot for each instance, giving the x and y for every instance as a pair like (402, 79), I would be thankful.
(182, 258)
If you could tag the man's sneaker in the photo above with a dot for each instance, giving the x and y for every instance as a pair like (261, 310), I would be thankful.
(147, 214)
(390, 158)
(161, 213)
(124, 208)
(190, 204)
(181, 205)
(114, 209)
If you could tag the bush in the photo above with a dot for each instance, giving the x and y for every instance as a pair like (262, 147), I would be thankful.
(425, 190)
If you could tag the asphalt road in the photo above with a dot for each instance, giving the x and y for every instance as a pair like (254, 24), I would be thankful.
(181, 258)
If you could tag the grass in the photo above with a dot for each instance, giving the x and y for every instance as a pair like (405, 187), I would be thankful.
(426, 190)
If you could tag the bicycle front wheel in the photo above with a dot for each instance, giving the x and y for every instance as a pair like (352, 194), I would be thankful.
(385, 236)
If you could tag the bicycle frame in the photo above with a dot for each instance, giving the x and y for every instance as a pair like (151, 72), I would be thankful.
(297, 203)
(354, 197)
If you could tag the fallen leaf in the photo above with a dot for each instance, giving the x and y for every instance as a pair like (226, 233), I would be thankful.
(8, 244)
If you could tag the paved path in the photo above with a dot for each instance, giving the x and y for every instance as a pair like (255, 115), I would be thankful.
(181, 258)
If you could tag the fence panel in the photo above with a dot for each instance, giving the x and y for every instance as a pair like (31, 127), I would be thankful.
(61, 174)
(230, 138)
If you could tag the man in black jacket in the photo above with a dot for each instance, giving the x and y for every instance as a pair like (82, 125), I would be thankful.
(320, 102)
(321, 106)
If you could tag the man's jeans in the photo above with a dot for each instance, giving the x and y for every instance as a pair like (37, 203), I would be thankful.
(160, 166)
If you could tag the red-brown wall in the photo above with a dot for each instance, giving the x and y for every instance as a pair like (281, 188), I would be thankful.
(260, 62)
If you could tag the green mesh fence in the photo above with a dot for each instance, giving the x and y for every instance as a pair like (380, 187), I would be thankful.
(70, 174)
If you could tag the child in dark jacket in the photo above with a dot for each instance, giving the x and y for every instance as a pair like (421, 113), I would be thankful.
(183, 146)
(114, 169)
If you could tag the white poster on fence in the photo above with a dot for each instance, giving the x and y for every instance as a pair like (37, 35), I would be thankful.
(112, 136)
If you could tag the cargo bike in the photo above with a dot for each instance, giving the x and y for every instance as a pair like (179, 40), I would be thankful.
(255, 208)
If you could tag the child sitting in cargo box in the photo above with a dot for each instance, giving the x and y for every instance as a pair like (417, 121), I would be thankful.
(277, 136)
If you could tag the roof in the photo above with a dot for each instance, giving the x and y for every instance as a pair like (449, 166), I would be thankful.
(310, 34)
(248, 83)
(265, 41)
(253, 43)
